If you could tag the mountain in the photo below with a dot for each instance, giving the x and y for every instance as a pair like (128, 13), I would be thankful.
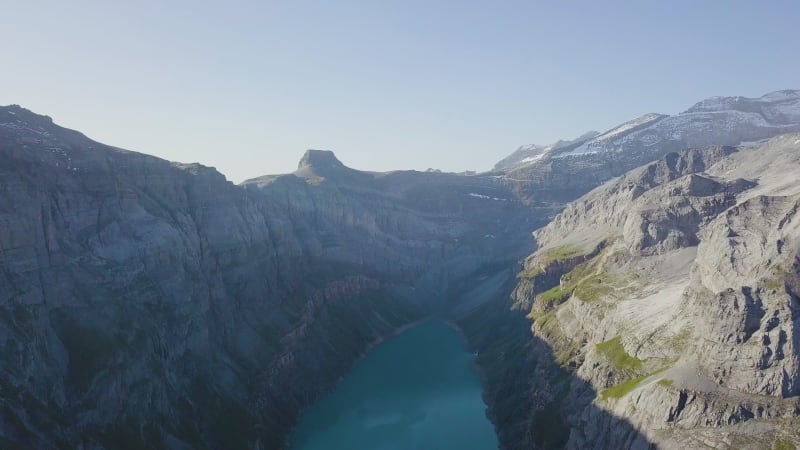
(674, 292)
(562, 172)
(527, 154)
(154, 304)
(157, 304)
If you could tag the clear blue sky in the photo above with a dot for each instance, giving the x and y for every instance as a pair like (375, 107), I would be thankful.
(248, 86)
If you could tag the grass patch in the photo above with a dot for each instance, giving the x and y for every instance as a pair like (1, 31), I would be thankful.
(774, 284)
(548, 256)
(621, 389)
(563, 348)
(776, 280)
(588, 281)
(545, 257)
(593, 288)
(625, 387)
(784, 444)
(531, 273)
(554, 296)
(559, 253)
(546, 322)
(616, 355)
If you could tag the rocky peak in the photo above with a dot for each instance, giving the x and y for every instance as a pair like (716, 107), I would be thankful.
(530, 153)
(777, 106)
(318, 165)
(319, 159)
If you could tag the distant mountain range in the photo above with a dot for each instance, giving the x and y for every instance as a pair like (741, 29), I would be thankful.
(562, 170)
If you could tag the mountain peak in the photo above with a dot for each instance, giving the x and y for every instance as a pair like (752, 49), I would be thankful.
(318, 165)
(786, 94)
(17, 113)
(319, 159)
(746, 104)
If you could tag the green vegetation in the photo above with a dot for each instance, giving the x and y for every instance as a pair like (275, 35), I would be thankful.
(545, 321)
(623, 388)
(580, 272)
(593, 288)
(777, 279)
(615, 353)
(564, 348)
(553, 297)
(666, 382)
(784, 444)
(545, 257)
(774, 284)
(587, 281)
(559, 253)
(531, 273)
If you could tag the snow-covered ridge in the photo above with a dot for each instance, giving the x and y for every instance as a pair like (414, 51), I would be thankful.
(598, 143)
(713, 121)
(487, 197)
(779, 102)
(647, 118)
(528, 154)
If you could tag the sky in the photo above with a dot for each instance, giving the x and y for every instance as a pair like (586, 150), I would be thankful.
(248, 86)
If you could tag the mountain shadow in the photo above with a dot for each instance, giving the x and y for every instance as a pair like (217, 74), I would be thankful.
(534, 400)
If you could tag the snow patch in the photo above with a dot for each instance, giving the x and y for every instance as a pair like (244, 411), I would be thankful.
(531, 159)
(601, 142)
(486, 197)
(627, 126)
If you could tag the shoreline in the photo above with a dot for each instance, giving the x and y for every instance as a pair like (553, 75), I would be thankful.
(375, 343)
(484, 379)
(362, 355)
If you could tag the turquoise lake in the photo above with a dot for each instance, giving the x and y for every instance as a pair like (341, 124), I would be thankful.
(415, 391)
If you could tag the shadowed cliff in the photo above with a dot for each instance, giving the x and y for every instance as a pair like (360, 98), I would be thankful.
(155, 304)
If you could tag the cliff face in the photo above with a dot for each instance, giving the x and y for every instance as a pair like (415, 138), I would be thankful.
(671, 293)
(157, 304)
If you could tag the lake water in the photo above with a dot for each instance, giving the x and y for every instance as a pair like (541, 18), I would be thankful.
(415, 391)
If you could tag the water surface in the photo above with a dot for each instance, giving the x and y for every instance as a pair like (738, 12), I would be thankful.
(415, 391)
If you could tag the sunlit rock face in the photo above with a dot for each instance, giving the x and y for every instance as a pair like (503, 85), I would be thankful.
(672, 292)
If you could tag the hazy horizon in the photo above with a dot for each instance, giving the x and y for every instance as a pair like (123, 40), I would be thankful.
(248, 87)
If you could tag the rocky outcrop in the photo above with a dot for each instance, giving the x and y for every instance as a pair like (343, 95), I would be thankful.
(676, 301)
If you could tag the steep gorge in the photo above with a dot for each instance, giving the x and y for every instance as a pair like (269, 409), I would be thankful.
(156, 304)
